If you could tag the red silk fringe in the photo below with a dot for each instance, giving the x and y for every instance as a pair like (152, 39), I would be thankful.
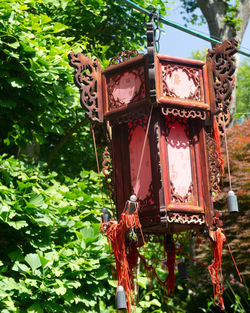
(116, 235)
(215, 268)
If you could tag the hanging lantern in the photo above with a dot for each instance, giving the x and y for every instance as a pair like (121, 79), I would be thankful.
(164, 118)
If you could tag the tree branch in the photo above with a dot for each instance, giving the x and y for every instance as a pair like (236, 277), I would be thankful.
(63, 141)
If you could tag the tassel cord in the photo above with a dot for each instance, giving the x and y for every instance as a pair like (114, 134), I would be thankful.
(97, 162)
(227, 153)
(144, 144)
(236, 267)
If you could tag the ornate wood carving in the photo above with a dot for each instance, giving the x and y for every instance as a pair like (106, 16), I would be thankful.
(108, 172)
(148, 200)
(170, 120)
(184, 113)
(214, 166)
(131, 77)
(133, 124)
(179, 158)
(222, 65)
(192, 75)
(87, 78)
(176, 198)
(124, 56)
(181, 218)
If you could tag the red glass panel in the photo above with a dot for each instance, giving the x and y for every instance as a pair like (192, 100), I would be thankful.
(141, 187)
(180, 170)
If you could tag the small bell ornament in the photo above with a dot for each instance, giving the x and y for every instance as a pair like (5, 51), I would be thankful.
(105, 215)
(131, 205)
(120, 298)
(232, 202)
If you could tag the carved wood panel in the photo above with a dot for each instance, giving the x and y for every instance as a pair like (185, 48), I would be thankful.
(179, 160)
(214, 166)
(181, 82)
(124, 56)
(87, 77)
(221, 64)
(126, 87)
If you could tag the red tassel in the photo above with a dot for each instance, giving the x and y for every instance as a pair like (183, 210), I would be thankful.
(215, 268)
(116, 235)
(217, 142)
(132, 255)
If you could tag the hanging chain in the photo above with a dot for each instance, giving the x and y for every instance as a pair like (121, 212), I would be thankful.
(157, 33)
(154, 20)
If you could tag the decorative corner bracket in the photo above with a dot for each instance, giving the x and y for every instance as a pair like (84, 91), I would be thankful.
(221, 65)
(87, 77)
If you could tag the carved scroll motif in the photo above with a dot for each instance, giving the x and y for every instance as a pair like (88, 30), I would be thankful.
(185, 218)
(223, 66)
(184, 113)
(148, 200)
(191, 74)
(87, 78)
(133, 124)
(107, 171)
(171, 120)
(214, 166)
(176, 198)
(130, 116)
(124, 56)
(135, 78)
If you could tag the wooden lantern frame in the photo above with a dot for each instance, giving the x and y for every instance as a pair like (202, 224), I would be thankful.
(211, 83)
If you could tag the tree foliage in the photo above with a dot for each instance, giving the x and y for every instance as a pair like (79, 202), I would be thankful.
(225, 19)
(243, 91)
(39, 103)
(53, 258)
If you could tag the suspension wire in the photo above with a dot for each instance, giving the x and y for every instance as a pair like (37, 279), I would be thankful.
(228, 163)
(97, 162)
(144, 144)
(179, 26)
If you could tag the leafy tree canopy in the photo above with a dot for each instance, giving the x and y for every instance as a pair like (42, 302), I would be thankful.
(38, 100)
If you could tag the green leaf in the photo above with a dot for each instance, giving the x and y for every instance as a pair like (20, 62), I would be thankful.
(142, 281)
(36, 201)
(43, 260)
(112, 283)
(18, 224)
(35, 308)
(101, 274)
(19, 267)
(59, 27)
(33, 260)
(61, 290)
(13, 45)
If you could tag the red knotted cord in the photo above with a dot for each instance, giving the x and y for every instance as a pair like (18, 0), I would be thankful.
(170, 280)
(218, 144)
(116, 235)
(233, 260)
(215, 268)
